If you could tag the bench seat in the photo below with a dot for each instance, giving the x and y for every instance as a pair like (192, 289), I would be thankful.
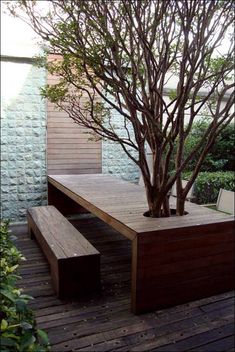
(74, 262)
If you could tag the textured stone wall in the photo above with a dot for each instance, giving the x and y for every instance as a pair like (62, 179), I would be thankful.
(23, 140)
(114, 160)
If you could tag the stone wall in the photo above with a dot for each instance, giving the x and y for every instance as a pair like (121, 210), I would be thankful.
(23, 139)
(114, 160)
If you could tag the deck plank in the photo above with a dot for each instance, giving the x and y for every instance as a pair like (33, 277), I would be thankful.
(103, 322)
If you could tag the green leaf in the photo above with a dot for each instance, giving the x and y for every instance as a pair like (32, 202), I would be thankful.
(6, 341)
(25, 325)
(11, 336)
(13, 268)
(8, 295)
(39, 348)
(21, 306)
(24, 296)
(27, 340)
(4, 324)
(42, 336)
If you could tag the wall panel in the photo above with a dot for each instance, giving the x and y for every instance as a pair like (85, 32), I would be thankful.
(69, 148)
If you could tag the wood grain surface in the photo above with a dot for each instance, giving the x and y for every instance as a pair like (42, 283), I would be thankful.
(70, 148)
(103, 321)
(71, 257)
(174, 259)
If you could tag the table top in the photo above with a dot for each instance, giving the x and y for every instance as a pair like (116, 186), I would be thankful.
(121, 204)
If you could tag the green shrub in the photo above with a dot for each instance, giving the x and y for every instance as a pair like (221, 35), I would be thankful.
(17, 324)
(208, 184)
(221, 156)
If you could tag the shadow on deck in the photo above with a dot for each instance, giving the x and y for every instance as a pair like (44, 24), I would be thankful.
(103, 322)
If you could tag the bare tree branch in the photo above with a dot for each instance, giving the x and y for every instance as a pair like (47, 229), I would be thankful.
(121, 56)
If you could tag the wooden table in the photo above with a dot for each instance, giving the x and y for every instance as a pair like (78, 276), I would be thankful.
(173, 259)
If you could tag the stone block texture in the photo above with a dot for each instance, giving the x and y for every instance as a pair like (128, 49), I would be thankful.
(23, 142)
(114, 160)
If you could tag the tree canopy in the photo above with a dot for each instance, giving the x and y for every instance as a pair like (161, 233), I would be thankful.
(122, 56)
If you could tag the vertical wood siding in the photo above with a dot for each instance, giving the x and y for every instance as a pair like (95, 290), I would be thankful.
(69, 150)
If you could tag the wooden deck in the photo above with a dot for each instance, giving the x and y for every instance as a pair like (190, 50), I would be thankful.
(103, 322)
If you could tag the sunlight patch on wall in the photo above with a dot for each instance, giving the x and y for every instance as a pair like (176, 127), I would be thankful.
(13, 79)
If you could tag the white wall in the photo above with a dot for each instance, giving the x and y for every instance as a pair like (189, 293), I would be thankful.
(23, 121)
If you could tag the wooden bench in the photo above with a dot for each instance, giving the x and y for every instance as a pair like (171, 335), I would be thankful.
(74, 262)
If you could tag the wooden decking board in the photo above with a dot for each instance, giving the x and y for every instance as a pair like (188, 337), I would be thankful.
(182, 331)
(198, 340)
(78, 319)
(161, 331)
(217, 346)
(218, 304)
(103, 322)
(35, 279)
(76, 310)
(34, 270)
(184, 345)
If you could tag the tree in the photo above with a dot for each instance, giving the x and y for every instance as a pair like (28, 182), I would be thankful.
(120, 55)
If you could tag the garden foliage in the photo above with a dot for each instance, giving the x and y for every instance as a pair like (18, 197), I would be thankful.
(18, 326)
(218, 167)
(208, 184)
(221, 157)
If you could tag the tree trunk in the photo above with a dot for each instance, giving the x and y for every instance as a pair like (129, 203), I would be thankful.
(158, 202)
(166, 206)
(180, 206)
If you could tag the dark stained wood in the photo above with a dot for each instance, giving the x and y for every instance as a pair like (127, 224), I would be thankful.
(87, 186)
(106, 196)
(174, 269)
(74, 262)
(174, 260)
(198, 341)
(62, 202)
(103, 322)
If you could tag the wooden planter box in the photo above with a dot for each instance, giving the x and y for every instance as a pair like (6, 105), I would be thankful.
(185, 262)
(174, 260)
